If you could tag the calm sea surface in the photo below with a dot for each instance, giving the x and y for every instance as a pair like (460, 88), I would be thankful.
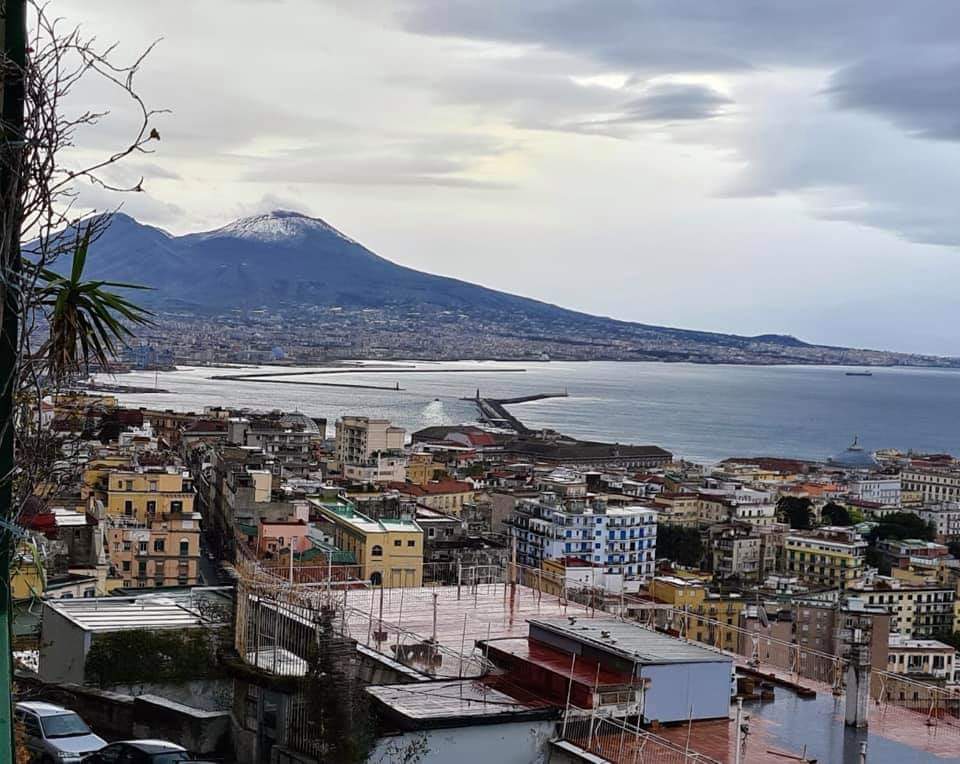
(703, 413)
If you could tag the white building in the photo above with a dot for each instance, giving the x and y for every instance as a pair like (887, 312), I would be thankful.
(945, 519)
(622, 539)
(882, 489)
(359, 438)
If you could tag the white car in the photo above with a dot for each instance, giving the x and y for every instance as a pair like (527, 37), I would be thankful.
(56, 734)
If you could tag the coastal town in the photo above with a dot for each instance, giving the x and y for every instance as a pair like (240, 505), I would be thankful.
(249, 584)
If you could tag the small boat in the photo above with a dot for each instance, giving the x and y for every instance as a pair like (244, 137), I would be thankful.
(859, 373)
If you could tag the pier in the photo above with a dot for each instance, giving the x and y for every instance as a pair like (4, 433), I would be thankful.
(255, 378)
(493, 411)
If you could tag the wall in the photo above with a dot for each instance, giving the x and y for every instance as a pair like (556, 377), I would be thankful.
(515, 743)
(63, 648)
(680, 690)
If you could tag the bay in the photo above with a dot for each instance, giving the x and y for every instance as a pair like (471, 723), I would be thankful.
(700, 412)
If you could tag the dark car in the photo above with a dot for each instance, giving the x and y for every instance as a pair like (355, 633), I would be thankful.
(140, 752)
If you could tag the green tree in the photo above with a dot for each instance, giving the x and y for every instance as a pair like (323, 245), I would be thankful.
(680, 545)
(902, 525)
(795, 510)
(87, 321)
(836, 514)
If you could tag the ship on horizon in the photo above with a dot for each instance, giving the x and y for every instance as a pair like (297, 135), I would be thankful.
(859, 373)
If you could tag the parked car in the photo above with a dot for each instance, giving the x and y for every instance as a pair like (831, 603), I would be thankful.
(140, 752)
(56, 734)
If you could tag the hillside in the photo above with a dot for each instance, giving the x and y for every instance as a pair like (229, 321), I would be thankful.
(287, 264)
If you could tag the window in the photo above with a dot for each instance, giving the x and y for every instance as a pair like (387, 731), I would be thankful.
(153, 485)
(151, 507)
(141, 569)
(158, 545)
(127, 546)
(431, 532)
(397, 542)
(126, 564)
(376, 551)
(128, 508)
(176, 507)
(184, 548)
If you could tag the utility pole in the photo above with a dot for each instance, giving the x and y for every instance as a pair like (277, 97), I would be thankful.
(14, 32)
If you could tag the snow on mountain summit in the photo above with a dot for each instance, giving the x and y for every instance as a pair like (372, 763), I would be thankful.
(275, 227)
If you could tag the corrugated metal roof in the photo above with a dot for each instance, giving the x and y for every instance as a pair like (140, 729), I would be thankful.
(117, 613)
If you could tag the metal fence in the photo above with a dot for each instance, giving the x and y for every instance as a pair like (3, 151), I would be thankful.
(619, 741)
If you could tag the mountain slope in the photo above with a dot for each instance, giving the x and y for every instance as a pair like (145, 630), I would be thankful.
(288, 263)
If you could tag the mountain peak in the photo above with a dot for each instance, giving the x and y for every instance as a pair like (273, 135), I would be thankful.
(276, 227)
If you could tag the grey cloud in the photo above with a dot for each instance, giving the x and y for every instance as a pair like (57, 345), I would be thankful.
(670, 102)
(438, 160)
(918, 90)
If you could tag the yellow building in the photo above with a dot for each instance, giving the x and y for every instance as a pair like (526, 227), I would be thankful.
(421, 469)
(145, 494)
(831, 557)
(27, 577)
(388, 551)
(678, 508)
(711, 618)
(164, 551)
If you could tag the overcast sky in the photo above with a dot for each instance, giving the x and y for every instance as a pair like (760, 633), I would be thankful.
(747, 165)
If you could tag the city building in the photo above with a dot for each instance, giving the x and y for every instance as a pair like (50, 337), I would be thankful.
(926, 657)
(622, 539)
(442, 495)
(935, 486)
(162, 550)
(146, 492)
(358, 438)
(829, 556)
(882, 489)
(389, 551)
(945, 519)
(915, 610)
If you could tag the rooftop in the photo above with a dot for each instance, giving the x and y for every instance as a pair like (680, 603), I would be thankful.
(450, 703)
(630, 640)
(117, 613)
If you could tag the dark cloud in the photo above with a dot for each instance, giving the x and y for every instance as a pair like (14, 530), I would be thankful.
(918, 90)
(674, 102)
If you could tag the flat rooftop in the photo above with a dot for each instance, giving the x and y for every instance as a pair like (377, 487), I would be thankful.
(454, 702)
(630, 640)
(117, 613)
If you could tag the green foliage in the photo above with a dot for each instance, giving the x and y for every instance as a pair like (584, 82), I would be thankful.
(835, 514)
(902, 525)
(87, 321)
(162, 656)
(679, 544)
(796, 511)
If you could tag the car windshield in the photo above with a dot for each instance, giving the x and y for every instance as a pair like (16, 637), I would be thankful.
(63, 725)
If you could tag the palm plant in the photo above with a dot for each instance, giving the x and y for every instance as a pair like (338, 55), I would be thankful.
(88, 322)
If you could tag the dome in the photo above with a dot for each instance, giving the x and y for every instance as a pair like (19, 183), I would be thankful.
(855, 457)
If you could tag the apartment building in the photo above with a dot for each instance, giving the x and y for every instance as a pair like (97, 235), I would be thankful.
(381, 468)
(945, 519)
(389, 551)
(742, 550)
(421, 468)
(286, 440)
(358, 438)
(915, 611)
(881, 489)
(162, 550)
(622, 539)
(146, 492)
(934, 486)
(921, 656)
(677, 508)
(442, 495)
(829, 556)
(712, 618)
